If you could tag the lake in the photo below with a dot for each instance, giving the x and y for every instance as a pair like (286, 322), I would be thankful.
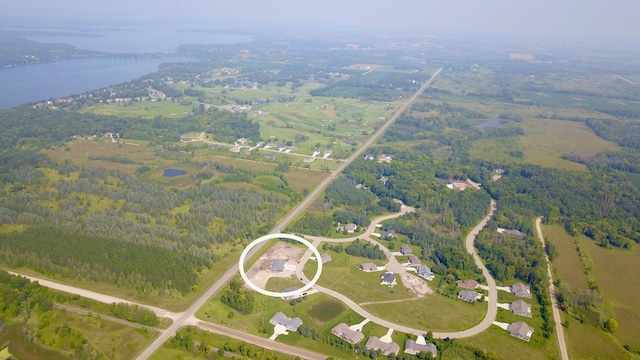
(142, 40)
(32, 83)
(173, 172)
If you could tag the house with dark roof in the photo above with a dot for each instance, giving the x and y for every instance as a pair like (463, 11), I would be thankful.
(413, 348)
(368, 267)
(521, 308)
(521, 330)
(467, 284)
(281, 319)
(424, 271)
(414, 261)
(293, 288)
(388, 279)
(374, 343)
(278, 265)
(469, 296)
(521, 290)
(345, 333)
(406, 250)
(385, 235)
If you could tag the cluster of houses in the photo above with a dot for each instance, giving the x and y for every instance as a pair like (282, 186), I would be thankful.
(387, 158)
(518, 329)
(413, 347)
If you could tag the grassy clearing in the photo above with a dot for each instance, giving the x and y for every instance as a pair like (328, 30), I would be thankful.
(547, 140)
(143, 109)
(508, 347)
(567, 265)
(587, 342)
(635, 179)
(616, 273)
(342, 275)
(433, 312)
(496, 150)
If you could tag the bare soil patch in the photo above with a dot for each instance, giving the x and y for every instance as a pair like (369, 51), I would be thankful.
(416, 285)
(260, 272)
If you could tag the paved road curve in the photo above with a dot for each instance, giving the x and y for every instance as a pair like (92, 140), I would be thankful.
(554, 303)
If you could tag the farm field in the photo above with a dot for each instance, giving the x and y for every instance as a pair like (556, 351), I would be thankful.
(615, 272)
(568, 266)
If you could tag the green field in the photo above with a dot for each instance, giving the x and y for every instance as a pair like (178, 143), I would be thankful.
(587, 342)
(506, 346)
(616, 274)
(568, 266)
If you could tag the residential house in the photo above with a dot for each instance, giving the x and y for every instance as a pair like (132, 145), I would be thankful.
(270, 156)
(406, 250)
(467, 284)
(327, 153)
(241, 141)
(281, 319)
(521, 308)
(359, 186)
(413, 348)
(374, 343)
(521, 290)
(278, 264)
(510, 232)
(368, 267)
(520, 330)
(388, 279)
(385, 158)
(386, 235)
(246, 151)
(270, 145)
(369, 156)
(325, 258)
(424, 271)
(350, 227)
(292, 149)
(293, 288)
(345, 333)
(414, 261)
(468, 295)
(282, 147)
(214, 146)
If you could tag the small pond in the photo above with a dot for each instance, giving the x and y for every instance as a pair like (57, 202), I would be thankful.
(174, 172)
(492, 123)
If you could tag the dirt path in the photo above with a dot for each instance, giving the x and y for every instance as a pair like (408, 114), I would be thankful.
(554, 303)
(388, 301)
(107, 299)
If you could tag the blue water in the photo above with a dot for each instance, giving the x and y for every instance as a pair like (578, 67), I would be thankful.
(143, 40)
(173, 172)
(32, 83)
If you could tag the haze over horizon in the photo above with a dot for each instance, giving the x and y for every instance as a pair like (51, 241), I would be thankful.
(590, 23)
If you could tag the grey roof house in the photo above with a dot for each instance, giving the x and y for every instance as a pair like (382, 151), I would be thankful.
(388, 279)
(521, 308)
(278, 264)
(281, 319)
(414, 261)
(350, 227)
(520, 330)
(405, 250)
(413, 348)
(423, 270)
(374, 343)
(345, 333)
(368, 267)
(521, 290)
(468, 295)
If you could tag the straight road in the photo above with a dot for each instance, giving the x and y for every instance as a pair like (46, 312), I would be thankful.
(554, 303)
(186, 315)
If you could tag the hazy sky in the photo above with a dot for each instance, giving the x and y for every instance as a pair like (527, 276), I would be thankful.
(601, 22)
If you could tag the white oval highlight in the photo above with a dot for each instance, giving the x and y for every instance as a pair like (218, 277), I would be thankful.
(280, 236)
